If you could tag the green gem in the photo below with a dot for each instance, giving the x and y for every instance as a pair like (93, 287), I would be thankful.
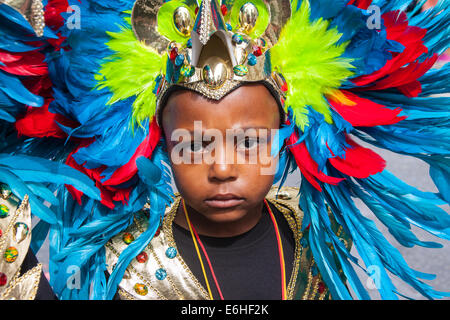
(11, 254)
(4, 211)
(187, 71)
(127, 238)
(240, 70)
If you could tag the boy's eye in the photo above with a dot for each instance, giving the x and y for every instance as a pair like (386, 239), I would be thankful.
(247, 143)
(196, 147)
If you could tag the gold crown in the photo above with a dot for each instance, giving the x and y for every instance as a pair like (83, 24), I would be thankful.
(213, 49)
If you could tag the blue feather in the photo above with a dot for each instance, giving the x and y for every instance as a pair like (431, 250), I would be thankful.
(312, 204)
(20, 189)
(39, 232)
(156, 177)
(6, 116)
(33, 169)
(12, 87)
(440, 174)
(372, 246)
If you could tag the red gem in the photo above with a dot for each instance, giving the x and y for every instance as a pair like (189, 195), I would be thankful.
(157, 232)
(224, 10)
(2, 279)
(142, 257)
(284, 88)
(258, 51)
(196, 10)
(1, 232)
(173, 53)
(321, 287)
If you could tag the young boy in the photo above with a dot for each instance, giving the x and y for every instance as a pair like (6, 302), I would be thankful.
(249, 246)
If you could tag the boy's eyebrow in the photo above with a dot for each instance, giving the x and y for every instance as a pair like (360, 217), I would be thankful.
(245, 128)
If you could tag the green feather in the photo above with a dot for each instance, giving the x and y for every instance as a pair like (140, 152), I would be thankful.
(131, 71)
(308, 56)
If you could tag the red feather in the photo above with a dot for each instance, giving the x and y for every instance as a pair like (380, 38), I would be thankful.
(53, 11)
(23, 64)
(308, 167)
(411, 89)
(362, 4)
(95, 174)
(401, 79)
(70, 161)
(109, 193)
(40, 123)
(359, 162)
(55, 21)
(146, 148)
(394, 74)
(364, 112)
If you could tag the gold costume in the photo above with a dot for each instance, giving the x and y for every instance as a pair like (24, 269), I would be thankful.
(15, 237)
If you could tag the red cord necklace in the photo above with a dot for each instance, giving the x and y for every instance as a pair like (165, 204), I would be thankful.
(196, 239)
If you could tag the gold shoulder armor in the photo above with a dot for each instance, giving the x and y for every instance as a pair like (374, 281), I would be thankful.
(288, 195)
(15, 238)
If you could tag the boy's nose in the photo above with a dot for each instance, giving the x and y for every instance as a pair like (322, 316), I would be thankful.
(222, 172)
(223, 167)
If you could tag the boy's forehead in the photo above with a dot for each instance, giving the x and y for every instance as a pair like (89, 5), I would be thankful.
(246, 107)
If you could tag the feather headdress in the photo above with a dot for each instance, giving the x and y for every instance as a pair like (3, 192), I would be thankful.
(74, 95)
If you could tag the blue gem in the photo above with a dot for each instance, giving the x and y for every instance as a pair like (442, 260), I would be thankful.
(237, 38)
(171, 252)
(179, 60)
(252, 59)
(189, 43)
(161, 274)
(229, 27)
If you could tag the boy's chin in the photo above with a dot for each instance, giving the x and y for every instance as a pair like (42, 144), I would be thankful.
(226, 215)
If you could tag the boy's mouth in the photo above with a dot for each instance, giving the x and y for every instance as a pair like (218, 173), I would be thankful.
(224, 200)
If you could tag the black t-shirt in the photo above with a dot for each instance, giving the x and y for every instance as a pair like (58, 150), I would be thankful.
(247, 267)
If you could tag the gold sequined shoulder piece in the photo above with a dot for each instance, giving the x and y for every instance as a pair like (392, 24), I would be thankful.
(288, 197)
(158, 272)
(15, 238)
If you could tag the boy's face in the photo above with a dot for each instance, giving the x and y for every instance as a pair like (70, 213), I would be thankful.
(220, 151)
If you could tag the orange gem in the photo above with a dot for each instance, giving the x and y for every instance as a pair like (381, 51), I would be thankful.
(141, 289)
